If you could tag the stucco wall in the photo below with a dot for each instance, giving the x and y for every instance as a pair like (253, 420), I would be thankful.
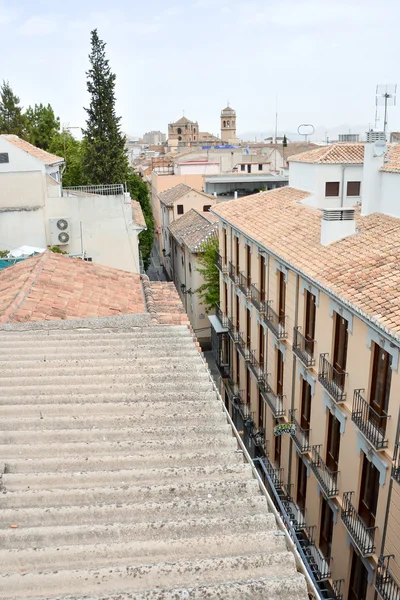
(22, 189)
(20, 227)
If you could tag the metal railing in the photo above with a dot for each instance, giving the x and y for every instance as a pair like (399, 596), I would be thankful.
(220, 261)
(301, 437)
(369, 422)
(396, 463)
(233, 273)
(115, 189)
(222, 318)
(275, 323)
(243, 349)
(362, 536)
(303, 348)
(244, 284)
(274, 402)
(332, 379)
(232, 329)
(297, 517)
(257, 297)
(319, 565)
(257, 367)
(327, 479)
(385, 583)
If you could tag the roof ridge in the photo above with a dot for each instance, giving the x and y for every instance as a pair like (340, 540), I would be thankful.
(149, 298)
(26, 288)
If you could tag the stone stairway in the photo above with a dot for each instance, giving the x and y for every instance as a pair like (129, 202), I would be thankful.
(121, 478)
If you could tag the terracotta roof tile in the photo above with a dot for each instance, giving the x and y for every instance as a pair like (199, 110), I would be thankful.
(42, 155)
(363, 269)
(193, 228)
(332, 154)
(167, 303)
(392, 163)
(169, 196)
(137, 213)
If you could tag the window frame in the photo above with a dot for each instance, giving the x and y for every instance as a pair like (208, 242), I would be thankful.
(179, 209)
(337, 187)
(353, 183)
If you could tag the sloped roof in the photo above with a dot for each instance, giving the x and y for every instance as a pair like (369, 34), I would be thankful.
(363, 270)
(137, 213)
(193, 228)
(392, 164)
(42, 155)
(228, 111)
(332, 154)
(169, 196)
(183, 121)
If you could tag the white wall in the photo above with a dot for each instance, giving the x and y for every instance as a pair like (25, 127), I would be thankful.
(198, 169)
(18, 159)
(390, 196)
(22, 227)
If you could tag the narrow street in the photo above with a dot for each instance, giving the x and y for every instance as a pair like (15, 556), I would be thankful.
(155, 271)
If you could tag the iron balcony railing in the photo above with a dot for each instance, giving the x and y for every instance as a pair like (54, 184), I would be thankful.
(275, 322)
(233, 272)
(319, 565)
(257, 298)
(113, 189)
(332, 379)
(233, 330)
(244, 284)
(303, 348)
(301, 437)
(275, 474)
(218, 260)
(327, 479)
(362, 536)
(369, 422)
(396, 463)
(257, 367)
(242, 346)
(296, 516)
(385, 583)
(222, 318)
(275, 402)
(258, 436)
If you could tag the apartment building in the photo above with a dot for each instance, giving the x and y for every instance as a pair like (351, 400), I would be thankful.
(307, 343)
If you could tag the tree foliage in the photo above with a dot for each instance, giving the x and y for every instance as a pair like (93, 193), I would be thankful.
(65, 145)
(12, 119)
(284, 141)
(140, 192)
(209, 290)
(104, 156)
(42, 125)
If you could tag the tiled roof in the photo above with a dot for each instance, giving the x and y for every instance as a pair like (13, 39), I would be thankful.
(42, 155)
(169, 196)
(52, 286)
(392, 164)
(193, 228)
(137, 213)
(182, 121)
(332, 154)
(363, 269)
(167, 303)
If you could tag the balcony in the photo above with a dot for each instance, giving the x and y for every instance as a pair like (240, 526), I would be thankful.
(362, 536)
(274, 402)
(385, 584)
(293, 512)
(275, 323)
(369, 422)
(221, 263)
(326, 478)
(257, 367)
(257, 298)
(244, 284)
(276, 475)
(233, 330)
(319, 565)
(233, 273)
(302, 436)
(396, 463)
(242, 346)
(303, 348)
(331, 379)
(222, 318)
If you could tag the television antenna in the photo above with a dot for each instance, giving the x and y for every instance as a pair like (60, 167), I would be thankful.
(385, 95)
(305, 129)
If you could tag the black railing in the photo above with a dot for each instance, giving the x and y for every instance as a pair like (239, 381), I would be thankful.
(385, 584)
(222, 318)
(275, 474)
(275, 402)
(396, 463)
(303, 348)
(362, 536)
(319, 565)
(327, 479)
(221, 262)
(301, 437)
(233, 330)
(275, 322)
(233, 272)
(369, 422)
(296, 516)
(243, 349)
(257, 367)
(244, 284)
(257, 298)
(258, 436)
(332, 379)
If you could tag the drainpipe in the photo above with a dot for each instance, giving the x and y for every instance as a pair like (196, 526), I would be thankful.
(294, 364)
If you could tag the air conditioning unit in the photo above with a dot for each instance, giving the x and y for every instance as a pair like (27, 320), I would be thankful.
(59, 231)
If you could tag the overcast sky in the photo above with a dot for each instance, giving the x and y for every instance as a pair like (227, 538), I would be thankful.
(322, 59)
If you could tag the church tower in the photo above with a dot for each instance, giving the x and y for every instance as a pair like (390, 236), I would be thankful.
(228, 125)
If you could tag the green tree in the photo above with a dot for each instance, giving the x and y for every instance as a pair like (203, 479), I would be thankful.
(65, 145)
(209, 290)
(284, 142)
(140, 192)
(42, 125)
(104, 157)
(12, 119)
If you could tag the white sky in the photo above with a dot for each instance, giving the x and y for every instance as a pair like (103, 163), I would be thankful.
(322, 58)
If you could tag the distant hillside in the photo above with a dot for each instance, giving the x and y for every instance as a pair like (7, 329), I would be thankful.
(320, 135)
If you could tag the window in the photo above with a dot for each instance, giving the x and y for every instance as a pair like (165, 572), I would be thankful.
(237, 312)
(326, 529)
(380, 385)
(309, 329)
(4, 158)
(358, 579)
(226, 297)
(194, 138)
(182, 259)
(260, 409)
(279, 373)
(237, 255)
(249, 168)
(282, 297)
(179, 209)
(333, 444)
(305, 405)
(206, 207)
(224, 123)
(88, 259)
(248, 264)
(248, 328)
(262, 277)
(332, 188)
(248, 386)
(238, 367)
(190, 267)
(340, 350)
(301, 484)
(242, 167)
(225, 244)
(261, 344)
(260, 167)
(179, 130)
(278, 446)
(228, 124)
(369, 493)
(353, 188)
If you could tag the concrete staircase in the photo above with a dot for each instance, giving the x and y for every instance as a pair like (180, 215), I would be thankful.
(121, 477)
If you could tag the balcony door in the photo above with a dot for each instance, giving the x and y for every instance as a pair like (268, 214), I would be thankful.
(248, 329)
(261, 278)
(226, 298)
(279, 373)
(326, 529)
(380, 385)
(305, 405)
(340, 350)
(248, 386)
(301, 485)
(278, 447)
(237, 254)
(282, 297)
(261, 345)
(260, 410)
(358, 579)
(248, 264)
(309, 329)
(224, 246)
(238, 368)
(333, 443)
(237, 312)
(369, 493)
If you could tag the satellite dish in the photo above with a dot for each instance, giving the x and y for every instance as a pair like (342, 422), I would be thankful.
(380, 148)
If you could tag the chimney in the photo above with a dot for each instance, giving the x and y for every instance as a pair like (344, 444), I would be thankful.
(337, 224)
(374, 157)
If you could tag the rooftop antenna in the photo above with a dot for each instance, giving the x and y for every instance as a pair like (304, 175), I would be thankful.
(385, 95)
(305, 129)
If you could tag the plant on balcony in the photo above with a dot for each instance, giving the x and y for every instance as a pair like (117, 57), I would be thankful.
(209, 290)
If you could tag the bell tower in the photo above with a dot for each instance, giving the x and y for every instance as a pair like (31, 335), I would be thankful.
(228, 125)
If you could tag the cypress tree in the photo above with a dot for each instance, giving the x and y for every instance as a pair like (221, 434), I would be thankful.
(104, 156)
(12, 119)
